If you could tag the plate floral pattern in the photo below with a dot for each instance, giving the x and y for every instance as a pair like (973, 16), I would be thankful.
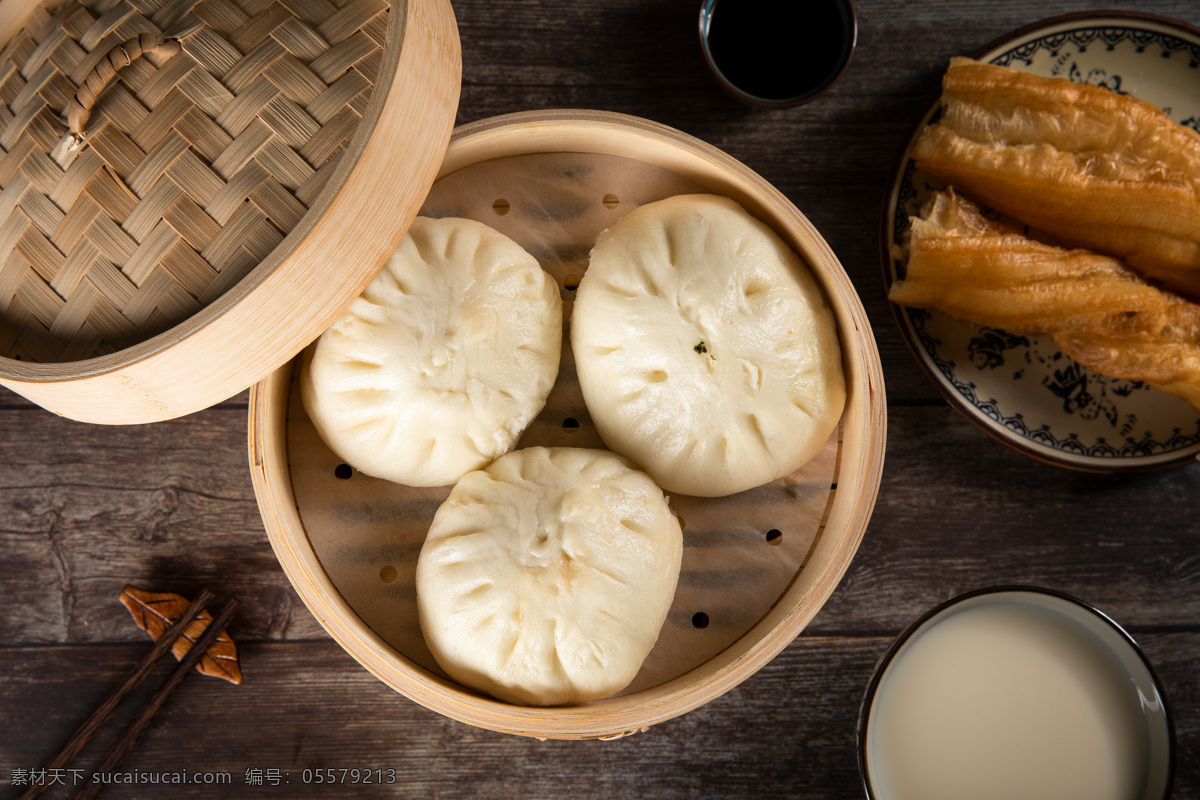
(1022, 390)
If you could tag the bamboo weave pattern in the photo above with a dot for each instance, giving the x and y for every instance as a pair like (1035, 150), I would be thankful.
(194, 168)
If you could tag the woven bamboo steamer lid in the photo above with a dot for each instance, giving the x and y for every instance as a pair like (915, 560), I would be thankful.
(193, 189)
(276, 456)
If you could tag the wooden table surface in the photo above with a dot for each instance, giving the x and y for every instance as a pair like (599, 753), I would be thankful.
(169, 506)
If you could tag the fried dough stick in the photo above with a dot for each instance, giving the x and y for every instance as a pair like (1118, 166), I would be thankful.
(1095, 309)
(988, 103)
(1096, 169)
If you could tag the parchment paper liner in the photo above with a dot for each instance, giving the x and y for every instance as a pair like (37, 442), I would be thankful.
(740, 552)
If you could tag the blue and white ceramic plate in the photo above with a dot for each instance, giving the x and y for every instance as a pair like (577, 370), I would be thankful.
(1022, 390)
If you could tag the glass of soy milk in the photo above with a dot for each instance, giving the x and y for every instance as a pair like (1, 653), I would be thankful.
(1015, 692)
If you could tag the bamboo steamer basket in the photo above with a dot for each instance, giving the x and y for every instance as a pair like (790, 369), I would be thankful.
(349, 543)
(178, 175)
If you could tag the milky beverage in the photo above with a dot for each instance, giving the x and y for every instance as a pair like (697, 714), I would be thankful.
(1006, 699)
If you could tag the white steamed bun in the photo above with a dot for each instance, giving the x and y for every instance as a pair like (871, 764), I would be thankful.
(706, 351)
(439, 365)
(546, 577)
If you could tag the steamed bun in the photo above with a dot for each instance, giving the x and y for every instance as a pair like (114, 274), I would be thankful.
(706, 351)
(441, 363)
(546, 577)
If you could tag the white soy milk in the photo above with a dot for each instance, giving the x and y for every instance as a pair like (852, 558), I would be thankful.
(1004, 700)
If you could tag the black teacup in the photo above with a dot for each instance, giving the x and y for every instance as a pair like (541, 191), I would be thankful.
(777, 53)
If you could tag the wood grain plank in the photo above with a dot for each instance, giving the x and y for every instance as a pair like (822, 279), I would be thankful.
(170, 507)
(165, 506)
(959, 511)
(789, 731)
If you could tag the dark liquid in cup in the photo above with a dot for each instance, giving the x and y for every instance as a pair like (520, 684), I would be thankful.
(779, 50)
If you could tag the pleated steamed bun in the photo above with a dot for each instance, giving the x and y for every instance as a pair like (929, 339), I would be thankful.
(546, 577)
(441, 363)
(706, 350)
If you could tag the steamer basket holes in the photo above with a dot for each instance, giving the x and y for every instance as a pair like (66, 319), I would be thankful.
(501, 207)
(570, 424)
(388, 573)
(611, 201)
(343, 472)
(571, 283)
(699, 620)
(775, 537)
